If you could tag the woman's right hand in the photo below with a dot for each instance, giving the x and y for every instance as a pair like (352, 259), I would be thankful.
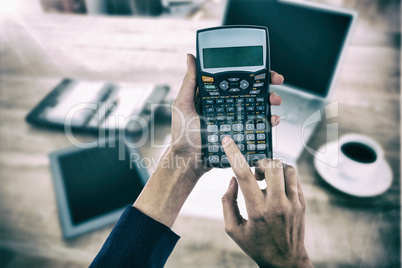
(273, 235)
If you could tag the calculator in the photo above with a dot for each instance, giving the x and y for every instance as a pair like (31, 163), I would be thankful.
(233, 73)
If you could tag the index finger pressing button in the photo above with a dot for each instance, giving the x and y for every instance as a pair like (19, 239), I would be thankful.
(247, 182)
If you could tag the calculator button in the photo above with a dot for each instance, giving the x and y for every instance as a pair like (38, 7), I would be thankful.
(220, 117)
(240, 100)
(240, 109)
(241, 147)
(259, 76)
(234, 79)
(209, 101)
(230, 109)
(226, 135)
(219, 100)
(234, 84)
(251, 147)
(210, 110)
(238, 137)
(253, 157)
(213, 148)
(249, 126)
(213, 138)
(225, 159)
(237, 127)
(229, 100)
(212, 128)
(207, 79)
(260, 126)
(220, 110)
(214, 93)
(213, 159)
(255, 91)
(250, 108)
(258, 84)
(261, 146)
(260, 116)
(260, 136)
(230, 117)
(244, 84)
(250, 100)
(260, 108)
(224, 85)
(210, 118)
(234, 90)
(260, 99)
(251, 117)
(241, 117)
(225, 128)
(250, 137)
(209, 87)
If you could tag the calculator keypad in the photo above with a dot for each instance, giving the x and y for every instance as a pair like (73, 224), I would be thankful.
(240, 118)
(235, 105)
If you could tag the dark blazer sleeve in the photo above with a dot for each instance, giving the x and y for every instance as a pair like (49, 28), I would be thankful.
(137, 240)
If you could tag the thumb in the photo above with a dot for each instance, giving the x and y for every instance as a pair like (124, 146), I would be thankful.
(187, 90)
(231, 213)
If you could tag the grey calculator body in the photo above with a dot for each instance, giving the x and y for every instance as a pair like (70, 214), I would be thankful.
(233, 73)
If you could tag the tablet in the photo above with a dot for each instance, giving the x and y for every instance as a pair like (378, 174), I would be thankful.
(93, 187)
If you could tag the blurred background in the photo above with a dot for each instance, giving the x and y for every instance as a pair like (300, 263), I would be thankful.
(129, 41)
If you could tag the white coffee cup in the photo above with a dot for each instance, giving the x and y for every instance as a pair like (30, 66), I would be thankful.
(349, 164)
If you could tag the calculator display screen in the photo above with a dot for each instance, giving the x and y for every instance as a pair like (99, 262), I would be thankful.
(222, 57)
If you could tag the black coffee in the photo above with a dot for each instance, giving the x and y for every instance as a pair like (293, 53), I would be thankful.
(359, 152)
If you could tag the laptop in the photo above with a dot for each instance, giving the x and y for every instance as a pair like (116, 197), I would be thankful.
(308, 43)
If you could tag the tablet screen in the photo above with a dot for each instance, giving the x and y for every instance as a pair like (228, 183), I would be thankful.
(96, 182)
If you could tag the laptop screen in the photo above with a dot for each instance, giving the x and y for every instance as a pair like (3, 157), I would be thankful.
(305, 42)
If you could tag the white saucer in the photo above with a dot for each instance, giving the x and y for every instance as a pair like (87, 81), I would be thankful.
(379, 182)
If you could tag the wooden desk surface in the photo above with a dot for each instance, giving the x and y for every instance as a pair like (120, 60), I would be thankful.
(37, 50)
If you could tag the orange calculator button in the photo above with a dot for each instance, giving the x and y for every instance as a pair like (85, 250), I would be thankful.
(207, 79)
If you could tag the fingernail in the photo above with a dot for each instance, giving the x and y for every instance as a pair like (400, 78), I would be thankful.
(277, 120)
(188, 55)
(226, 140)
(232, 180)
